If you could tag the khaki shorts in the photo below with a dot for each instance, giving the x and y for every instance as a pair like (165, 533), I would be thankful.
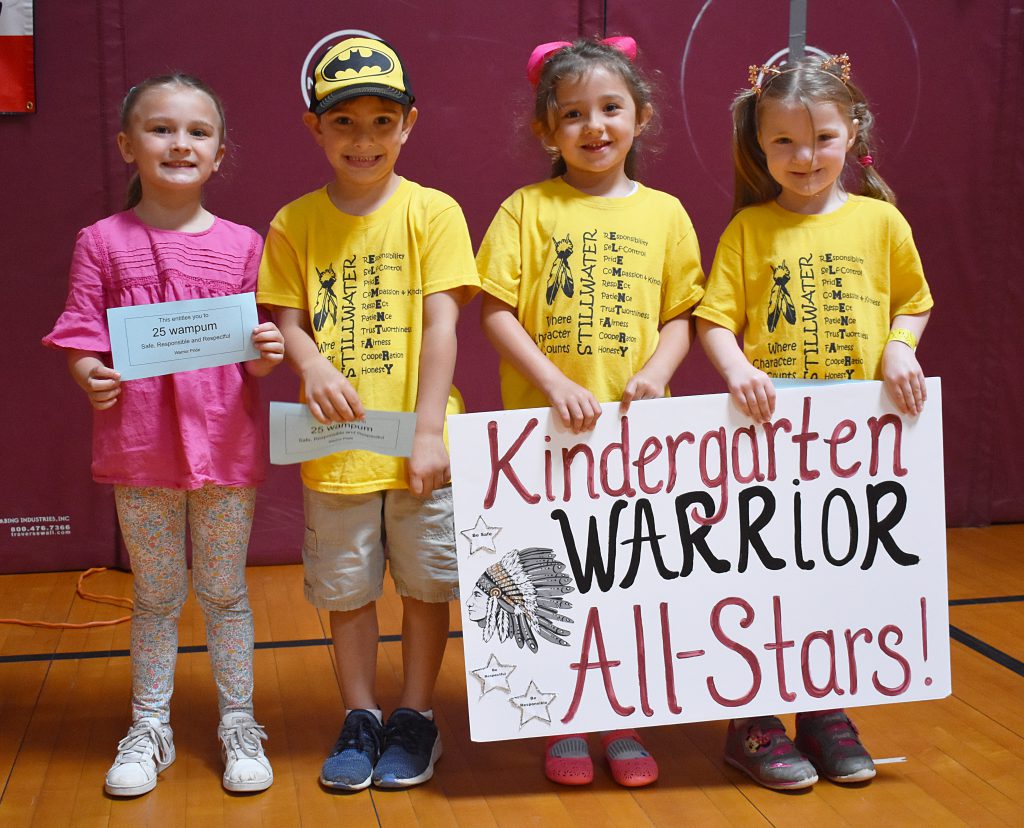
(343, 552)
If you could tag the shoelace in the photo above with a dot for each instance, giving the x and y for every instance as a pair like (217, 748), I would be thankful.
(142, 741)
(358, 735)
(243, 736)
(411, 734)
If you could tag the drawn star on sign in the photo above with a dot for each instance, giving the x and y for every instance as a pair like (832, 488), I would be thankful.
(481, 536)
(493, 676)
(533, 704)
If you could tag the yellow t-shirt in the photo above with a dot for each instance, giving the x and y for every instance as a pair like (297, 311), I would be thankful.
(591, 279)
(814, 296)
(362, 279)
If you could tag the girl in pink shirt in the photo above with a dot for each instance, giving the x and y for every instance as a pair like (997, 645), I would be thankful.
(186, 444)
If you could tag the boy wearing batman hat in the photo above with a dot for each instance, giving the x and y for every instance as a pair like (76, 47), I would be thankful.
(365, 277)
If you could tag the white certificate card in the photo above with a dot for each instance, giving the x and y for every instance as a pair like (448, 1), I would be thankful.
(168, 337)
(296, 436)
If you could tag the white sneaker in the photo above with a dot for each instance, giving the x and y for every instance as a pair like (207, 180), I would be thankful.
(246, 768)
(141, 755)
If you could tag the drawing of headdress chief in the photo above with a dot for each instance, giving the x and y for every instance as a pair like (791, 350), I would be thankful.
(519, 597)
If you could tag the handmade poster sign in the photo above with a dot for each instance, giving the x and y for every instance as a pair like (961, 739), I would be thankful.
(681, 563)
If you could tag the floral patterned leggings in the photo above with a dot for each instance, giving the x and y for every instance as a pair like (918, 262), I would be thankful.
(153, 527)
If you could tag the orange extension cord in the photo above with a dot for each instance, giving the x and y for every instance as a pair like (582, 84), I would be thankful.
(114, 600)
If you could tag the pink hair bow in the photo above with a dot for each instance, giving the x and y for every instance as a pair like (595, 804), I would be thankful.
(540, 55)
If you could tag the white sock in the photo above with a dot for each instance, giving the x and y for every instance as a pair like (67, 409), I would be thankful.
(378, 713)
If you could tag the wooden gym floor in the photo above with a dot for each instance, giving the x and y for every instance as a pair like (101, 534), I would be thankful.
(64, 705)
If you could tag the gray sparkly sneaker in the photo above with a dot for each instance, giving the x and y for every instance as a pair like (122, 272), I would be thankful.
(829, 739)
(761, 749)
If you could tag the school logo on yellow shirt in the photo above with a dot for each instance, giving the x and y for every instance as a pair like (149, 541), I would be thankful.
(560, 276)
(780, 303)
(326, 301)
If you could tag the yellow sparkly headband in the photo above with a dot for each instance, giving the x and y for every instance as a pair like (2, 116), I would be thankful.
(760, 76)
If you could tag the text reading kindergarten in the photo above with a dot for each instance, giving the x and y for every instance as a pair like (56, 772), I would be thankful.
(681, 563)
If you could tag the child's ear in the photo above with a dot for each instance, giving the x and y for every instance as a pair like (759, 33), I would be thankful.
(221, 150)
(124, 145)
(854, 132)
(543, 133)
(643, 117)
(408, 120)
(312, 122)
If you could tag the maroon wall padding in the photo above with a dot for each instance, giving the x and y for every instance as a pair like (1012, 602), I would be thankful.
(944, 78)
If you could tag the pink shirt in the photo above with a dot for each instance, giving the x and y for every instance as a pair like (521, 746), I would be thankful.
(179, 431)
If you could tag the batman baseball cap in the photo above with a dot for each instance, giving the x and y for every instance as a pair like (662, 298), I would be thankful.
(358, 66)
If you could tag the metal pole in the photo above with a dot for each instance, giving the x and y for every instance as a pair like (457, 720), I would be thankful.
(797, 28)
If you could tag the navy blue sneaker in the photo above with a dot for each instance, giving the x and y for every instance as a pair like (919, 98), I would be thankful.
(350, 765)
(411, 746)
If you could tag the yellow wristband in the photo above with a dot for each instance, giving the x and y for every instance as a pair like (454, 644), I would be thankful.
(904, 336)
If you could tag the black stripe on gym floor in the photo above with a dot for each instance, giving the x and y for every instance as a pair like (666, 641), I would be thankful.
(999, 599)
(987, 650)
(191, 648)
(958, 635)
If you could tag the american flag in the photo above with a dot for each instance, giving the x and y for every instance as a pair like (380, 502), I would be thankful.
(17, 57)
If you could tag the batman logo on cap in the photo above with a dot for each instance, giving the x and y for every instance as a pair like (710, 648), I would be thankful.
(356, 61)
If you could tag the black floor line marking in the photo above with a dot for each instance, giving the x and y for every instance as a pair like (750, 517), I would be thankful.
(987, 650)
(190, 648)
(968, 640)
(999, 599)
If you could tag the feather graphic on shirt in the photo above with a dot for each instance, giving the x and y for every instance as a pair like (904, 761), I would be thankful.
(326, 302)
(780, 303)
(560, 277)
